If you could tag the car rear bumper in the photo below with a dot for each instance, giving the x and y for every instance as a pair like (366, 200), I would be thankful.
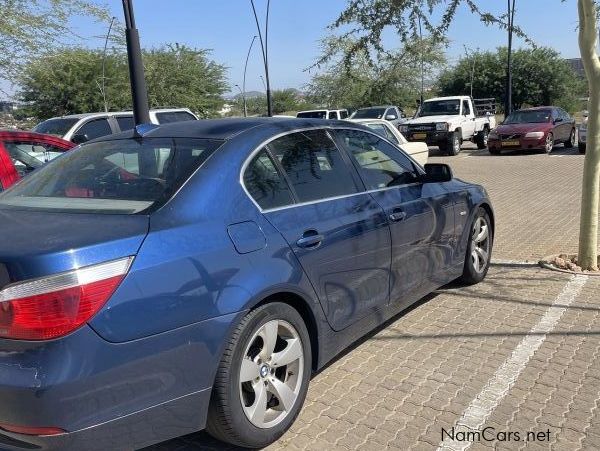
(106, 395)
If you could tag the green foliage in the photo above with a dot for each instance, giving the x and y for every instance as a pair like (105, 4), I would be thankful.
(284, 101)
(69, 81)
(365, 21)
(540, 77)
(395, 78)
(29, 28)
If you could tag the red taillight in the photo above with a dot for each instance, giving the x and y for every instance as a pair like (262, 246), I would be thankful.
(28, 430)
(54, 306)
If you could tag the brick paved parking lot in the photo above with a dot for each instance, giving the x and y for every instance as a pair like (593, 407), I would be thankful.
(517, 353)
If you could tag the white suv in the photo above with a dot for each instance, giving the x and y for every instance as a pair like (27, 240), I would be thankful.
(80, 128)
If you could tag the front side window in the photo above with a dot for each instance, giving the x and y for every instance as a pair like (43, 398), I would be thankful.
(381, 164)
(313, 165)
(265, 184)
(312, 114)
(120, 177)
(95, 129)
(343, 114)
(332, 115)
(369, 113)
(466, 108)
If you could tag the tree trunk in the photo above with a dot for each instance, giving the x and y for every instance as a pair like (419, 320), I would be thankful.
(588, 232)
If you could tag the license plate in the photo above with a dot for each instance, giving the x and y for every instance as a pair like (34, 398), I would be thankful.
(511, 143)
(419, 136)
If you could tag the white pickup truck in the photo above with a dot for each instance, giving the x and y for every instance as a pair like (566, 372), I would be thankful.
(447, 122)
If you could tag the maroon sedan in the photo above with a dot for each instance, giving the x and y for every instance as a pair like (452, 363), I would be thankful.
(533, 128)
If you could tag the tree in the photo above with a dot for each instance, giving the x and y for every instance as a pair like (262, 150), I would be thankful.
(394, 78)
(29, 28)
(540, 77)
(68, 81)
(588, 228)
(365, 21)
(285, 100)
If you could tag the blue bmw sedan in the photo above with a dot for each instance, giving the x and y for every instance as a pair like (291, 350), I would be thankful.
(194, 275)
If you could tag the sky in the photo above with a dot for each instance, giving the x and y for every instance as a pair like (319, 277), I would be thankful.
(296, 27)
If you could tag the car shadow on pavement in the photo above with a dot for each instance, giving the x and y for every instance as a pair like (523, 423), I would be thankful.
(203, 441)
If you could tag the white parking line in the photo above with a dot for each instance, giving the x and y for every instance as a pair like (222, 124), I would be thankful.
(480, 409)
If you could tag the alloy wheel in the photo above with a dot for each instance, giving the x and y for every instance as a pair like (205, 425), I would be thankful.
(572, 138)
(456, 144)
(480, 244)
(549, 143)
(271, 373)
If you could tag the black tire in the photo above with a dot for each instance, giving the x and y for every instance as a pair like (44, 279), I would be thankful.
(570, 143)
(226, 418)
(582, 147)
(471, 275)
(481, 138)
(443, 147)
(494, 151)
(453, 145)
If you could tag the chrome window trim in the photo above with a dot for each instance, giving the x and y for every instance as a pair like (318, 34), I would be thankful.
(327, 128)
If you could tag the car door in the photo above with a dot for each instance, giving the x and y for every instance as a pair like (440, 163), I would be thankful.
(421, 216)
(336, 230)
(468, 120)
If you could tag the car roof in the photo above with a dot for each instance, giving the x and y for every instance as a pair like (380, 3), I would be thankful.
(227, 128)
(378, 106)
(116, 113)
(537, 108)
(33, 136)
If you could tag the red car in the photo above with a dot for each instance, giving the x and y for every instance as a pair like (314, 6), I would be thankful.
(533, 128)
(22, 152)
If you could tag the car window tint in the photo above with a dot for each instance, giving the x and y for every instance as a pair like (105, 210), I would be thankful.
(313, 165)
(265, 184)
(381, 164)
(466, 108)
(125, 123)
(344, 114)
(174, 116)
(379, 129)
(95, 129)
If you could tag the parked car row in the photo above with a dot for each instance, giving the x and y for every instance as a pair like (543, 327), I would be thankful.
(80, 128)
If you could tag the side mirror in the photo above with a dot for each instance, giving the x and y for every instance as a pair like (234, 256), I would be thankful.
(391, 117)
(437, 173)
(80, 139)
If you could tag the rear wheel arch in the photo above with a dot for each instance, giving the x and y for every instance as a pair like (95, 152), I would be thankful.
(302, 306)
(487, 207)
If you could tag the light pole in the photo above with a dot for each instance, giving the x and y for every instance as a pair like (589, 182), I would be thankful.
(511, 18)
(422, 71)
(265, 52)
(112, 21)
(139, 92)
(472, 67)
(244, 82)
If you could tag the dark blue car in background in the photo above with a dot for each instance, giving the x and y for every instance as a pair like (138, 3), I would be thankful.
(194, 275)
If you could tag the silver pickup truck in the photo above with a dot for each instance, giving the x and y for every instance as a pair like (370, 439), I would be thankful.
(447, 122)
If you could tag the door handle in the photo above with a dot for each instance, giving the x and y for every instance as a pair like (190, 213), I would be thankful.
(310, 239)
(397, 215)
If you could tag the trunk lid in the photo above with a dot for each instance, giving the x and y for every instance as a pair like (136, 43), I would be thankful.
(36, 244)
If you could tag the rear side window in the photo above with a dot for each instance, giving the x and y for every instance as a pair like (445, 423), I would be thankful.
(125, 123)
(265, 184)
(332, 115)
(313, 165)
(121, 177)
(56, 127)
(95, 129)
(312, 114)
(168, 117)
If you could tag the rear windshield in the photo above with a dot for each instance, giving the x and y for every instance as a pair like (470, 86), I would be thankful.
(57, 127)
(312, 114)
(168, 117)
(119, 177)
